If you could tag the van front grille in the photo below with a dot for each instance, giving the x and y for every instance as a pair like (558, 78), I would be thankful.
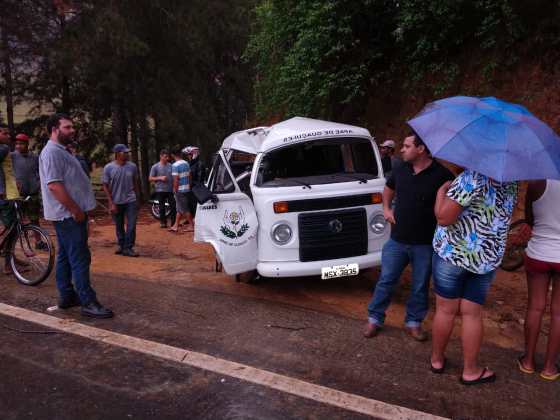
(333, 234)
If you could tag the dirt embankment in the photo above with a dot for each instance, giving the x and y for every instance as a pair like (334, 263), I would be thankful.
(530, 83)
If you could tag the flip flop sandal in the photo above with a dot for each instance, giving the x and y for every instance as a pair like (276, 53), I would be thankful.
(481, 379)
(552, 377)
(440, 370)
(523, 368)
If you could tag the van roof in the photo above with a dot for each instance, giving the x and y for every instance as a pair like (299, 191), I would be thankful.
(294, 130)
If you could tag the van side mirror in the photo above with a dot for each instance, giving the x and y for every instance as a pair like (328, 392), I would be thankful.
(203, 194)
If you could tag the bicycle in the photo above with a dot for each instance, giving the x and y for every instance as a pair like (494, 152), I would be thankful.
(518, 237)
(27, 249)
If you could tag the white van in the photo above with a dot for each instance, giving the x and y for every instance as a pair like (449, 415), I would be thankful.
(299, 198)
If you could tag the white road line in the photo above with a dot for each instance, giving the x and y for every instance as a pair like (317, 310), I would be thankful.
(351, 402)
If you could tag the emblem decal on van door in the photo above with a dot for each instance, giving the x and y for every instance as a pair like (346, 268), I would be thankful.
(234, 225)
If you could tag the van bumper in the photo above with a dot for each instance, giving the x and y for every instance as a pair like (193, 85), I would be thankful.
(313, 268)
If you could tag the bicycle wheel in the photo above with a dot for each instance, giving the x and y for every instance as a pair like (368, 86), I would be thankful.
(32, 255)
(514, 255)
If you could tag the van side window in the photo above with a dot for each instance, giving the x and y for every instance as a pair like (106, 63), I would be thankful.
(241, 165)
(220, 182)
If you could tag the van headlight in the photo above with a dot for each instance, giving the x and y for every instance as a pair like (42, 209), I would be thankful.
(281, 233)
(377, 224)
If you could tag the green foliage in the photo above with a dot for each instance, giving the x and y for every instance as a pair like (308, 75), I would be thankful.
(163, 71)
(433, 34)
(310, 54)
(320, 57)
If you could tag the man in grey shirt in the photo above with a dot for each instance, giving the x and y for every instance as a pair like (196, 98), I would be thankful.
(120, 182)
(67, 197)
(160, 175)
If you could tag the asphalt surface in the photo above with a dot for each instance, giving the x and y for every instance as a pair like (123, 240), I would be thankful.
(49, 376)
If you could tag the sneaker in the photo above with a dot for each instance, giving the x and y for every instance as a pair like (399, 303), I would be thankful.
(69, 302)
(119, 251)
(130, 253)
(94, 309)
(163, 225)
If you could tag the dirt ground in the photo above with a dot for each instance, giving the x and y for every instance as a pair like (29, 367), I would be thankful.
(173, 258)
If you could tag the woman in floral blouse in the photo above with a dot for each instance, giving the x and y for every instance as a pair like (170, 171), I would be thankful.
(473, 214)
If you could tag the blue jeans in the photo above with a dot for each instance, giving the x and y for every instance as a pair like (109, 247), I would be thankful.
(73, 260)
(394, 258)
(127, 238)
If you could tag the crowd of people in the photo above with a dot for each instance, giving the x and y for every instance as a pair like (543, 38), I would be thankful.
(449, 227)
(59, 178)
(453, 229)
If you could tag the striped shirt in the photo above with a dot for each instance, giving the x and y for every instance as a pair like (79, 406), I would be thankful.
(182, 170)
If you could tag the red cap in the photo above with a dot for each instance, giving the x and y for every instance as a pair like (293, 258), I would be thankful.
(22, 137)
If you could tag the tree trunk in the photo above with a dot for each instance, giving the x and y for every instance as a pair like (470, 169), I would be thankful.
(8, 81)
(144, 158)
(65, 80)
(134, 137)
(157, 137)
(119, 129)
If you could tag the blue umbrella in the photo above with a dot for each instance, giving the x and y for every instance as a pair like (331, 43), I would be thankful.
(501, 140)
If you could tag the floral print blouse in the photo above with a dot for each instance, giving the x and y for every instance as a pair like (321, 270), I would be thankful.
(477, 240)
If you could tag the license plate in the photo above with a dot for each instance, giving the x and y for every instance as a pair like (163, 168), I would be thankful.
(339, 271)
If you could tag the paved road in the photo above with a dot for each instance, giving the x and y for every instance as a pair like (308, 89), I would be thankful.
(61, 376)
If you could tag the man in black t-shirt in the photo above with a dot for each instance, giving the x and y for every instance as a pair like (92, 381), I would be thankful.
(414, 184)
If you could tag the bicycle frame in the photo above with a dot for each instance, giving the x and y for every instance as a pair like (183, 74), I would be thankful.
(11, 231)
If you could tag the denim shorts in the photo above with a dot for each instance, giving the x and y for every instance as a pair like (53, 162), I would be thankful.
(453, 282)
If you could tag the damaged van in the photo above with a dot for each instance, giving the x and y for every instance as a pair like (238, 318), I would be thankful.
(299, 198)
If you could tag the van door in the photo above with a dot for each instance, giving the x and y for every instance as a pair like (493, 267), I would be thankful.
(229, 222)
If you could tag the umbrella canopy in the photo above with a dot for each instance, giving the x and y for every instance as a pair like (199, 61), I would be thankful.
(501, 140)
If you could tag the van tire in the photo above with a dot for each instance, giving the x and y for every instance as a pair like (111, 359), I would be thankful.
(249, 277)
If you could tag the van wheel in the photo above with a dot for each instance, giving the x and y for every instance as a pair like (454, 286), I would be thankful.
(218, 266)
(249, 277)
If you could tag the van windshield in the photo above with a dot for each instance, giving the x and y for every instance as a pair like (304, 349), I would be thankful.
(316, 162)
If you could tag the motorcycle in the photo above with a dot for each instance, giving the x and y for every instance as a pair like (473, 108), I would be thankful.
(154, 208)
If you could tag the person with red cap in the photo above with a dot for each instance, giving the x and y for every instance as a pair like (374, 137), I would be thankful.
(26, 171)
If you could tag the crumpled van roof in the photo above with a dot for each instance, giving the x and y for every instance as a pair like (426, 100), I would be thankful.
(294, 130)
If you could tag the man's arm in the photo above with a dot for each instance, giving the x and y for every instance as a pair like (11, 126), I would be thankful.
(61, 195)
(175, 183)
(156, 178)
(108, 193)
(388, 212)
(153, 177)
(106, 179)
